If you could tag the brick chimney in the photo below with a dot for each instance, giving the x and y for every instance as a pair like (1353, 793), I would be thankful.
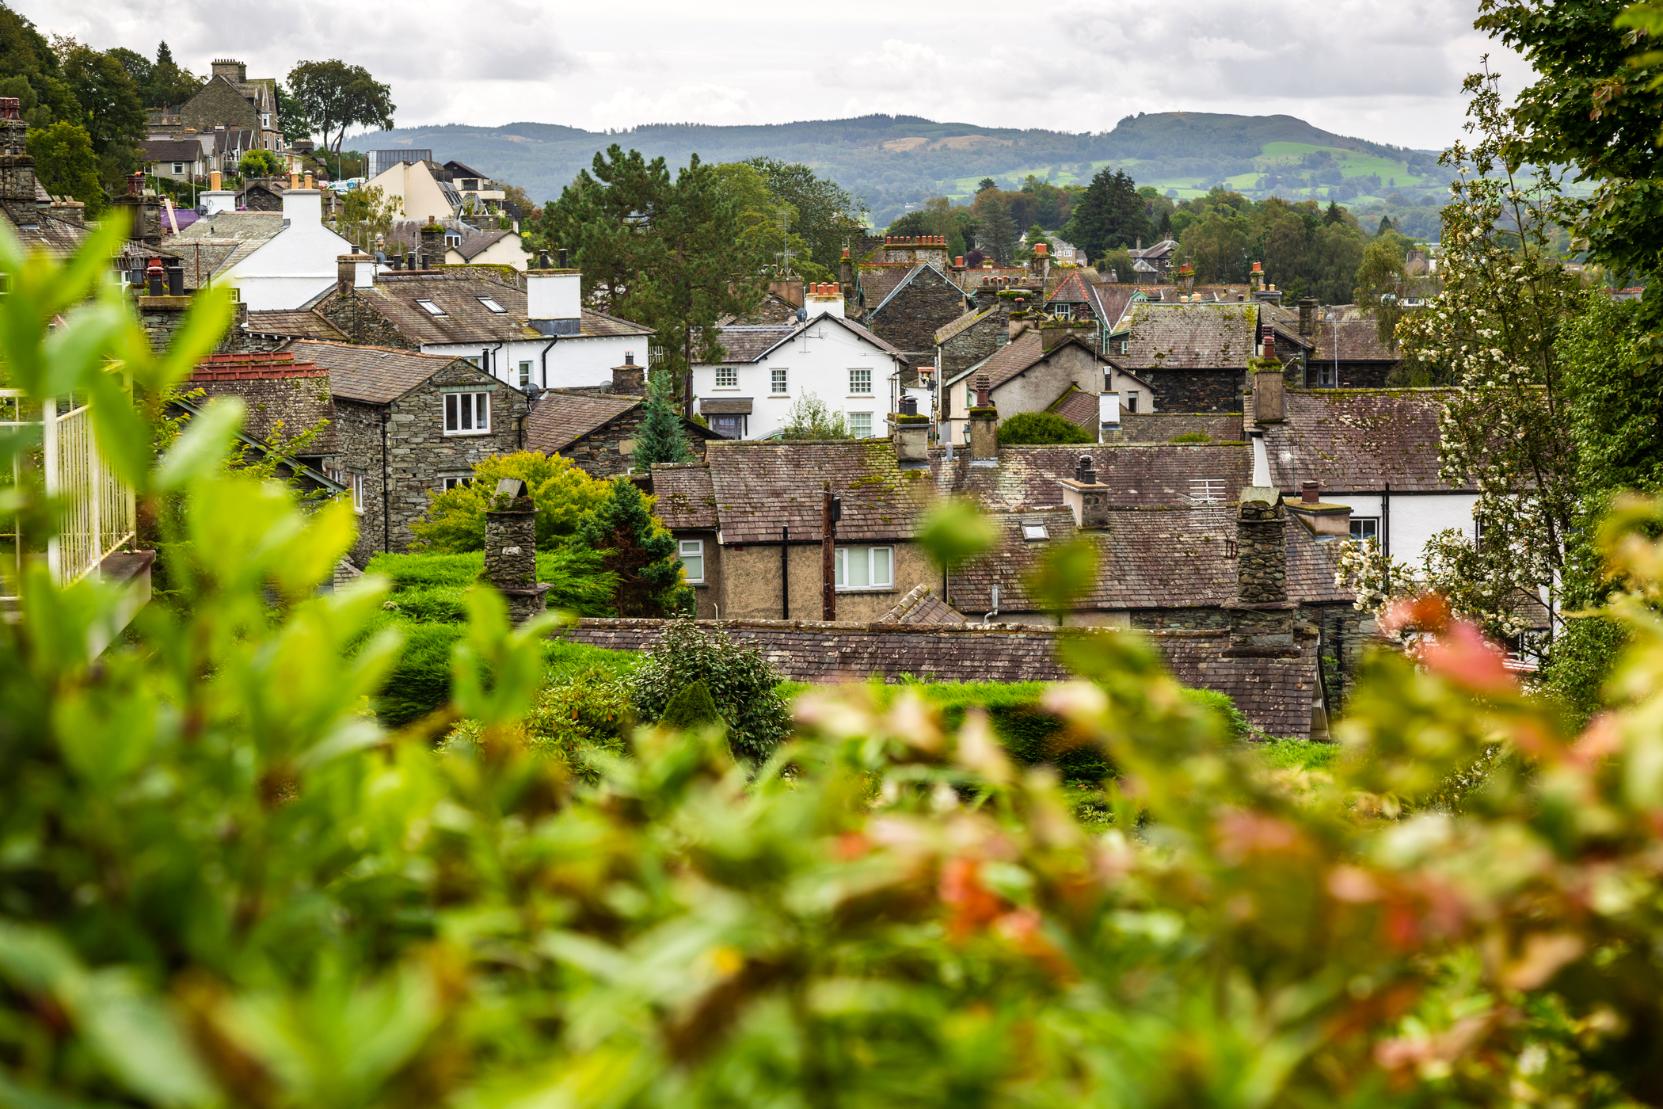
(824, 299)
(629, 379)
(788, 289)
(511, 550)
(1085, 496)
(984, 426)
(910, 433)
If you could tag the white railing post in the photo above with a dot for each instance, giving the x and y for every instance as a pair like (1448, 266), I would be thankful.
(50, 450)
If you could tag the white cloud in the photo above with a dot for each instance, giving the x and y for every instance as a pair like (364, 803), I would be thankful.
(1389, 72)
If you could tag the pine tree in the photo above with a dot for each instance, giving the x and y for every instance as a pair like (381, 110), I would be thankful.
(1111, 214)
(635, 547)
(662, 437)
(1386, 225)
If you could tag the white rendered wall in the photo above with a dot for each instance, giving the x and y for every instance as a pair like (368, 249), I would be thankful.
(294, 265)
(573, 362)
(1415, 517)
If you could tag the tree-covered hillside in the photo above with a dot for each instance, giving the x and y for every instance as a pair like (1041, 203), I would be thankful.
(894, 163)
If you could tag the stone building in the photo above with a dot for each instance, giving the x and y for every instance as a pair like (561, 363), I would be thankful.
(232, 100)
(908, 314)
(408, 425)
(39, 220)
(1196, 355)
(286, 400)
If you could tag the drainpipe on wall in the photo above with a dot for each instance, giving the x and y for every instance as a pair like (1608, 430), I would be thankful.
(545, 360)
(1386, 531)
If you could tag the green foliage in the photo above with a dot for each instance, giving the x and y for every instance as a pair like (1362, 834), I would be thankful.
(1041, 427)
(160, 83)
(662, 437)
(955, 532)
(822, 214)
(1305, 251)
(810, 418)
(563, 495)
(1191, 437)
(331, 96)
(1110, 216)
(742, 685)
(259, 163)
(66, 165)
(637, 551)
(690, 707)
(110, 109)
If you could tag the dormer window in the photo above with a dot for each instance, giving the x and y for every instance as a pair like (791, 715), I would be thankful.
(492, 306)
(430, 308)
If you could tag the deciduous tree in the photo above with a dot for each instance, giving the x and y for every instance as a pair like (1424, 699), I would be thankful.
(66, 165)
(333, 96)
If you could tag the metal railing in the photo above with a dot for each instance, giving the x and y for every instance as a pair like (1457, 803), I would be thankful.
(94, 511)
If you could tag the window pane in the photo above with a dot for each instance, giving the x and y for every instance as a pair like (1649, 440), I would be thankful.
(692, 558)
(882, 566)
(860, 425)
(860, 382)
(726, 377)
(450, 411)
(779, 381)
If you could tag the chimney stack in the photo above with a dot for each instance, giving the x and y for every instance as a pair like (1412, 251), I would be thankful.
(824, 299)
(984, 425)
(17, 169)
(511, 550)
(1084, 496)
(629, 379)
(846, 272)
(1325, 522)
(433, 245)
(910, 433)
(354, 271)
(1307, 317)
(553, 295)
(1256, 278)
(302, 207)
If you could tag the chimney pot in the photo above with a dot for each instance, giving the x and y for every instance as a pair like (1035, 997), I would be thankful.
(1084, 472)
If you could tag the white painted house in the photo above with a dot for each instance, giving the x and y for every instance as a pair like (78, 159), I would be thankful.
(277, 260)
(769, 368)
(539, 336)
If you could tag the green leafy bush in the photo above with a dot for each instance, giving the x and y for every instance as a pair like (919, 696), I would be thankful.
(690, 707)
(420, 681)
(742, 685)
(564, 496)
(1041, 428)
(588, 712)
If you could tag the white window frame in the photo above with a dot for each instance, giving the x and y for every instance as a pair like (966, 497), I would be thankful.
(525, 374)
(478, 402)
(727, 377)
(779, 381)
(356, 482)
(873, 585)
(447, 482)
(491, 305)
(178, 167)
(854, 387)
(691, 548)
(851, 417)
(429, 307)
(1374, 527)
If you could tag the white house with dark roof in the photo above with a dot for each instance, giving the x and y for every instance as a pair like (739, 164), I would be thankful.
(769, 368)
(277, 260)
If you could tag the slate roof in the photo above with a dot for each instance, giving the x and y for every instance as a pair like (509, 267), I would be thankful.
(685, 496)
(559, 419)
(170, 150)
(474, 245)
(1109, 300)
(1357, 440)
(772, 310)
(293, 324)
(750, 342)
(36, 226)
(1189, 337)
(1072, 289)
(1285, 321)
(1080, 408)
(761, 486)
(214, 244)
(1163, 427)
(372, 375)
(910, 276)
(465, 318)
(963, 323)
(1139, 475)
(921, 606)
(1357, 335)
(1019, 356)
(1147, 558)
(879, 279)
(1276, 695)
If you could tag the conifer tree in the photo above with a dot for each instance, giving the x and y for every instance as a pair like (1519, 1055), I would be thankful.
(1111, 214)
(662, 437)
(636, 548)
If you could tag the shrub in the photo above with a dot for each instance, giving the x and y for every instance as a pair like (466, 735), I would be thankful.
(564, 496)
(420, 682)
(1192, 437)
(577, 582)
(1041, 428)
(738, 679)
(588, 712)
(690, 707)
(638, 552)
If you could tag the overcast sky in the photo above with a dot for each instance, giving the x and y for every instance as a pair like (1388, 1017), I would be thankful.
(1387, 71)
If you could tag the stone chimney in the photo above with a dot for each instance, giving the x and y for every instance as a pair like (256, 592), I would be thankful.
(824, 299)
(554, 297)
(1307, 317)
(629, 379)
(1055, 334)
(846, 273)
(231, 69)
(1270, 397)
(354, 271)
(984, 426)
(144, 210)
(1085, 496)
(17, 169)
(511, 550)
(1261, 616)
(433, 246)
(1326, 522)
(1017, 320)
(911, 434)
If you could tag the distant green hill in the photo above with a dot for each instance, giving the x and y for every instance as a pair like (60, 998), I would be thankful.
(896, 162)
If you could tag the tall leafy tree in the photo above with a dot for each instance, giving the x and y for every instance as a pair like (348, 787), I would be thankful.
(996, 232)
(822, 213)
(110, 107)
(636, 547)
(31, 71)
(66, 164)
(170, 83)
(333, 96)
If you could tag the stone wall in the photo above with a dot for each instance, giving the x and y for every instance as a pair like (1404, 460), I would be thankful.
(1164, 427)
(606, 452)
(1218, 390)
(1262, 553)
(283, 408)
(750, 585)
(358, 320)
(161, 316)
(419, 455)
(974, 344)
(913, 316)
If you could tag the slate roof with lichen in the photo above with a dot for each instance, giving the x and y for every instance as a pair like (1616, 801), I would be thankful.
(878, 279)
(761, 486)
(1109, 301)
(464, 317)
(1071, 289)
(1357, 336)
(1358, 440)
(371, 375)
(1163, 427)
(1019, 356)
(962, 324)
(559, 419)
(293, 324)
(480, 241)
(213, 244)
(1079, 408)
(921, 606)
(685, 497)
(283, 395)
(1276, 695)
(1139, 475)
(1189, 337)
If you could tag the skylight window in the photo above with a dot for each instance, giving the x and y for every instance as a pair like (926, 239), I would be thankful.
(493, 306)
(430, 308)
(1033, 531)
